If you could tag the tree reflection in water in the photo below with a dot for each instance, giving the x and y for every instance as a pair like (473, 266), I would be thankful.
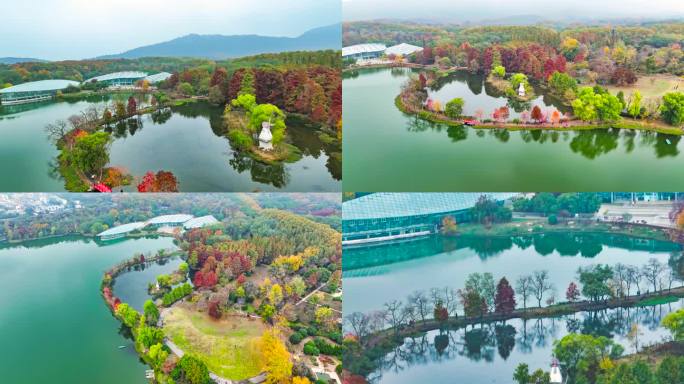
(488, 342)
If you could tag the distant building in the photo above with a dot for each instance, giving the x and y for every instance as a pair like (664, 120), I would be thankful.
(403, 49)
(178, 220)
(158, 78)
(363, 51)
(169, 220)
(120, 231)
(199, 222)
(118, 79)
(34, 91)
(390, 216)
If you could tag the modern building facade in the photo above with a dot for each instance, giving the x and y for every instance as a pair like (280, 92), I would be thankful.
(403, 49)
(363, 51)
(118, 79)
(179, 220)
(34, 91)
(391, 216)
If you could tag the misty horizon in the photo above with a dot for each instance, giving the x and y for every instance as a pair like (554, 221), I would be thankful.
(449, 12)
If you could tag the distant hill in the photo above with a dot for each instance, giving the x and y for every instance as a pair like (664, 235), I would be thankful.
(224, 47)
(15, 60)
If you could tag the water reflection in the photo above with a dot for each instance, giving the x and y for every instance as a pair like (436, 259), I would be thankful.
(493, 346)
(587, 245)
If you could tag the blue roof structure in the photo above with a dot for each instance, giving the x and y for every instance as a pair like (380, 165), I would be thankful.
(387, 205)
(39, 86)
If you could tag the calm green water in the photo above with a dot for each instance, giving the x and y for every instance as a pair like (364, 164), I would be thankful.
(188, 141)
(54, 326)
(383, 146)
(375, 275)
(131, 286)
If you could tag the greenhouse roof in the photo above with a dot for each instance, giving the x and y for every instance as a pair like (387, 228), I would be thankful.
(386, 205)
(402, 49)
(199, 222)
(125, 228)
(362, 48)
(170, 219)
(119, 75)
(42, 85)
(158, 77)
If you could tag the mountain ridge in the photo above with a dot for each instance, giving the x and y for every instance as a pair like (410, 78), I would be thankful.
(218, 46)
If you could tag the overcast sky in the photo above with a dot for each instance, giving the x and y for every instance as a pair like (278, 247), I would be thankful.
(475, 10)
(77, 29)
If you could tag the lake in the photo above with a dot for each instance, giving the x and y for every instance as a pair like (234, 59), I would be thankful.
(383, 145)
(54, 324)
(187, 140)
(378, 274)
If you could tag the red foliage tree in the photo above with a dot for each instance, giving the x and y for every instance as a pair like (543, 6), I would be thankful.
(623, 76)
(219, 77)
(440, 313)
(536, 114)
(504, 300)
(199, 279)
(572, 293)
(210, 279)
(132, 107)
(214, 309)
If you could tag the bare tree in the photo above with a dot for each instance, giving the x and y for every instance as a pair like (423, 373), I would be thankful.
(450, 300)
(652, 271)
(540, 284)
(57, 130)
(360, 325)
(633, 276)
(395, 314)
(523, 287)
(620, 278)
(421, 303)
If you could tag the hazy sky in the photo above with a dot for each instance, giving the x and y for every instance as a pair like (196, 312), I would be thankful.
(76, 29)
(474, 10)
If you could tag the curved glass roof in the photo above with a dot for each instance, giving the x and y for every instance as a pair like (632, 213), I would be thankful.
(119, 75)
(42, 85)
(362, 48)
(402, 49)
(170, 219)
(125, 228)
(199, 222)
(385, 205)
(158, 77)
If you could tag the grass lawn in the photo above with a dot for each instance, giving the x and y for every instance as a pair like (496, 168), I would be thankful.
(657, 301)
(228, 346)
(651, 86)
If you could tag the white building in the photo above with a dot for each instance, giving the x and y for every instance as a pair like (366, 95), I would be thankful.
(403, 49)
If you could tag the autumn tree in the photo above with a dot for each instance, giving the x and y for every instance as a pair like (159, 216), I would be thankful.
(572, 293)
(504, 301)
(536, 114)
(132, 106)
(276, 358)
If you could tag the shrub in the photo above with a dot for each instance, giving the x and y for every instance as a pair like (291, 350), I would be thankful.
(553, 220)
(296, 338)
(310, 349)
(240, 139)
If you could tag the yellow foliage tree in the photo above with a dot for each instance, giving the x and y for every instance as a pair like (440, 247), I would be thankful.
(300, 380)
(275, 296)
(276, 358)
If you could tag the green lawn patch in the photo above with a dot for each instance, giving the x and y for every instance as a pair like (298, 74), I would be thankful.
(228, 346)
(657, 301)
